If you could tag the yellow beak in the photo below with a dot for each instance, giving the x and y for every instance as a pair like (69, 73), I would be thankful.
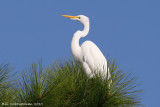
(72, 17)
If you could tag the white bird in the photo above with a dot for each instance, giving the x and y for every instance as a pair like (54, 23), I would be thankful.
(88, 54)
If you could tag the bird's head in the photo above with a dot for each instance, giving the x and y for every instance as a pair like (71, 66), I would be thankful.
(81, 18)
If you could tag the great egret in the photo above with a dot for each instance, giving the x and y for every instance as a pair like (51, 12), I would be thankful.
(90, 56)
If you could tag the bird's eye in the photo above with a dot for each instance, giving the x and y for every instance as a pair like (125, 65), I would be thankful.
(79, 17)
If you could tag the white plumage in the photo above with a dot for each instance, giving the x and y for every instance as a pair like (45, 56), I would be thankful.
(90, 56)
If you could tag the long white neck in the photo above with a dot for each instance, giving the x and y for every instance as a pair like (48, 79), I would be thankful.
(75, 47)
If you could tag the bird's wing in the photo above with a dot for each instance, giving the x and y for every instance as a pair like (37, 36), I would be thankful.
(94, 57)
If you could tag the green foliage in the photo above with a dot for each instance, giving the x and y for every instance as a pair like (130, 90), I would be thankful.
(5, 84)
(65, 84)
(30, 85)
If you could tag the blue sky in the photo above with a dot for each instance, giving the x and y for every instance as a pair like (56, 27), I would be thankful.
(125, 30)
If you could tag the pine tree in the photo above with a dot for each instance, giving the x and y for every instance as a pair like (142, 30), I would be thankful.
(65, 84)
